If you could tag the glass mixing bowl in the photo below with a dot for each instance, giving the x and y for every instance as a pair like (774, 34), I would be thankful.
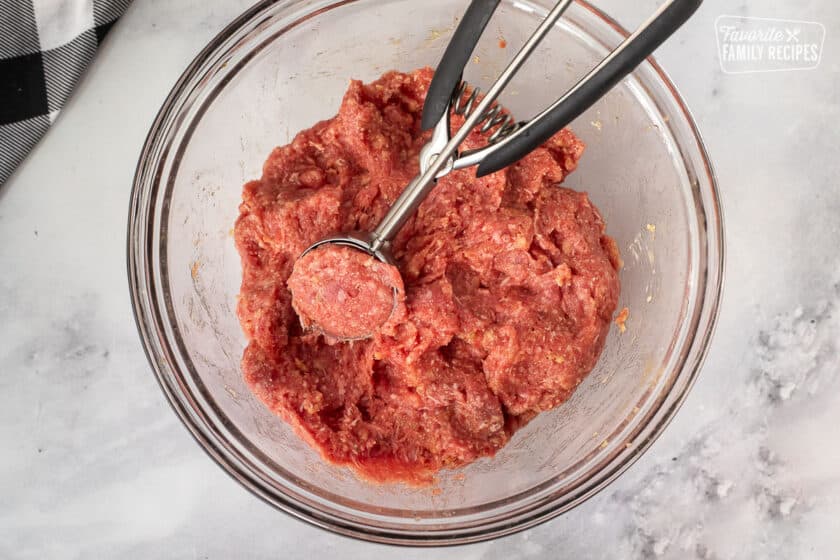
(284, 65)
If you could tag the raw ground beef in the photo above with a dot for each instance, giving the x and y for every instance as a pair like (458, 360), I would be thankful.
(345, 293)
(510, 286)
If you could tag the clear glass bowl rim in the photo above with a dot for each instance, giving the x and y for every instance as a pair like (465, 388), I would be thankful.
(146, 313)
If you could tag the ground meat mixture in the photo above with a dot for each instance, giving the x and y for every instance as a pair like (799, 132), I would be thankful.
(345, 293)
(510, 284)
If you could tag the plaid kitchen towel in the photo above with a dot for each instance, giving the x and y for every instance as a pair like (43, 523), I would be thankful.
(45, 46)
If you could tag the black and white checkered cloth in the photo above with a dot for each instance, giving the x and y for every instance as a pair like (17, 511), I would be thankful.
(45, 46)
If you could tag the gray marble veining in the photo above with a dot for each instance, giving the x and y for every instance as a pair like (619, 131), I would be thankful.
(94, 464)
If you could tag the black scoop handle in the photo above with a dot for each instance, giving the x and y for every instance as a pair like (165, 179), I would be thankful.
(632, 52)
(455, 58)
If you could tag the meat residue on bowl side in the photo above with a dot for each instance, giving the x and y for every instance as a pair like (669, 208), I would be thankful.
(510, 286)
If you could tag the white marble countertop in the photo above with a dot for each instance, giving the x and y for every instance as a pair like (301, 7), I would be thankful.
(94, 463)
